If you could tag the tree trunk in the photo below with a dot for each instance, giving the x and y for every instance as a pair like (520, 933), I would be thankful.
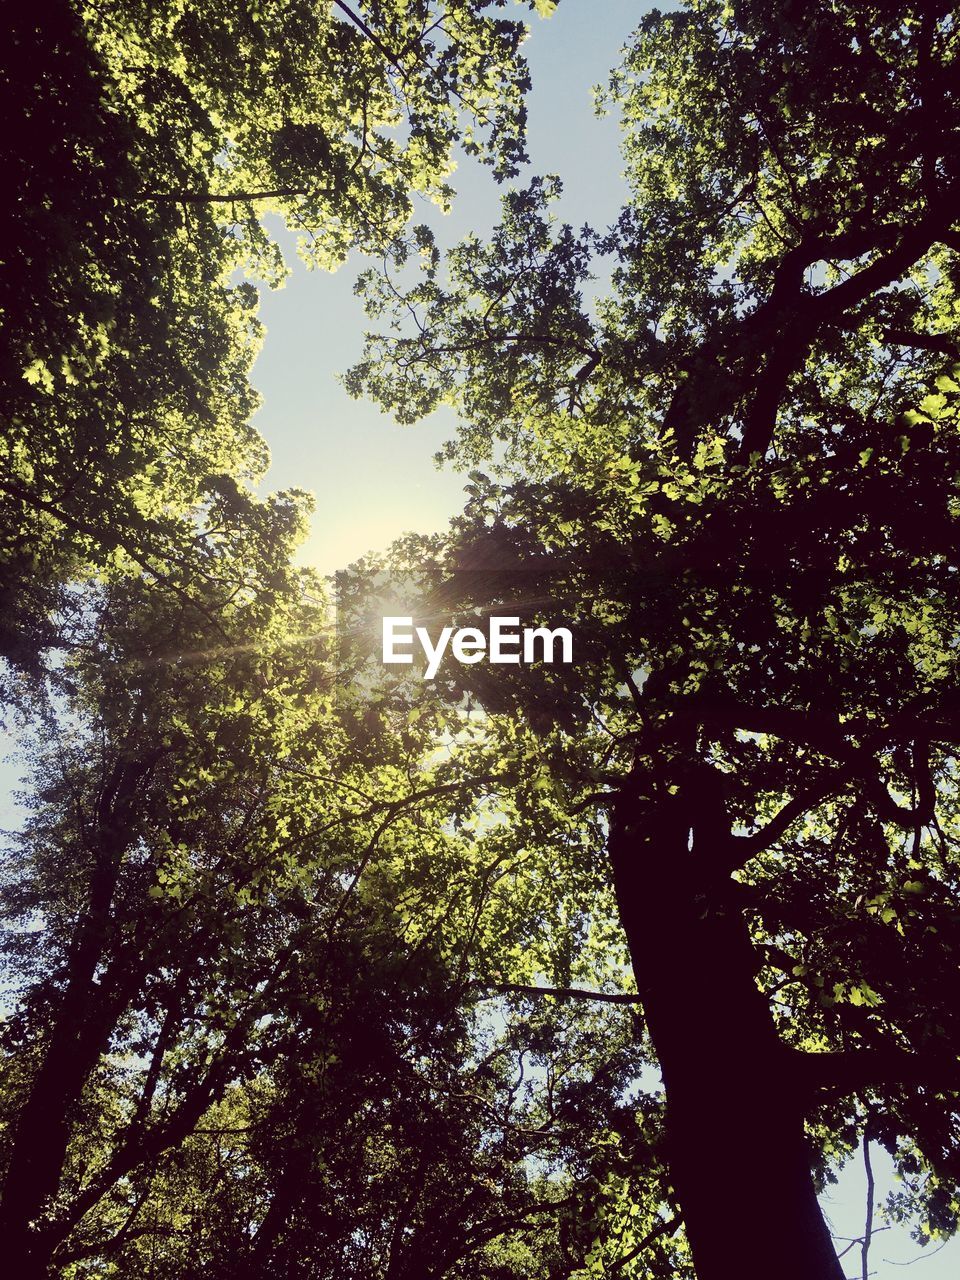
(737, 1154)
(79, 1035)
(36, 1163)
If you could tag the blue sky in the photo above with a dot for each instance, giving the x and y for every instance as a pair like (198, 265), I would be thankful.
(373, 479)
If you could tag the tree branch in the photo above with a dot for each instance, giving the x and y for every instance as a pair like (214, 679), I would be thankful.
(868, 1224)
(848, 1071)
(668, 1228)
(937, 342)
(559, 993)
(233, 197)
(828, 784)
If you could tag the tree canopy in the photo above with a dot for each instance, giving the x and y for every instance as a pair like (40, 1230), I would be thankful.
(735, 476)
(153, 138)
(540, 972)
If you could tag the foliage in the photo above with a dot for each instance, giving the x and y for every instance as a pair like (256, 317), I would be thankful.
(154, 138)
(298, 950)
(238, 1010)
(245, 1039)
(735, 476)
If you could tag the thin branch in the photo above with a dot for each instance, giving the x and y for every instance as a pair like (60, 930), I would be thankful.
(668, 1228)
(559, 993)
(605, 798)
(853, 1241)
(238, 197)
(921, 1257)
(374, 39)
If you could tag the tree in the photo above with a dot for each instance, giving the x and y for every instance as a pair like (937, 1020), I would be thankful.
(241, 1037)
(200, 901)
(153, 138)
(736, 477)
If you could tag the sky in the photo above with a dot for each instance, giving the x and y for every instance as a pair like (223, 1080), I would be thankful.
(374, 480)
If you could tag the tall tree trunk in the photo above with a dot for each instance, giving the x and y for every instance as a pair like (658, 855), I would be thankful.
(79, 1035)
(40, 1144)
(737, 1153)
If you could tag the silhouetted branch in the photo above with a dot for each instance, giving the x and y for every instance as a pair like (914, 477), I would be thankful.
(559, 993)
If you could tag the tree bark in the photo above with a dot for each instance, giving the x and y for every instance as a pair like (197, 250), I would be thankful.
(737, 1154)
(40, 1145)
(79, 1035)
